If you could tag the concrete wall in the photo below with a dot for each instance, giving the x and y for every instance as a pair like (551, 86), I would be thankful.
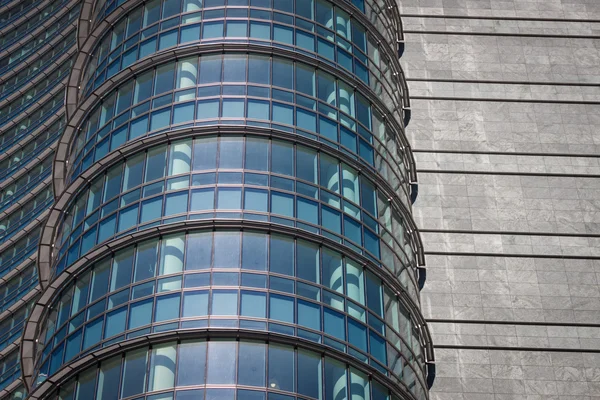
(506, 130)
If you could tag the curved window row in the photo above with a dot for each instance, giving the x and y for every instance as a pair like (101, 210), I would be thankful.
(16, 190)
(199, 369)
(12, 327)
(23, 155)
(376, 11)
(15, 12)
(27, 98)
(320, 29)
(14, 254)
(37, 67)
(17, 286)
(252, 174)
(32, 121)
(20, 217)
(231, 279)
(31, 23)
(39, 40)
(10, 369)
(259, 90)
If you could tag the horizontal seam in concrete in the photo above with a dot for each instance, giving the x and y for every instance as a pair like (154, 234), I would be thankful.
(507, 153)
(504, 100)
(509, 255)
(495, 82)
(510, 173)
(516, 348)
(508, 233)
(520, 323)
(541, 19)
(505, 34)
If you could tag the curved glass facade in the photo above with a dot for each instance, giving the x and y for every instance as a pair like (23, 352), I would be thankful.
(224, 369)
(37, 54)
(233, 207)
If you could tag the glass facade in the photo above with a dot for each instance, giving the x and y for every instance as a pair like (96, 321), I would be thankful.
(209, 200)
(37, 54)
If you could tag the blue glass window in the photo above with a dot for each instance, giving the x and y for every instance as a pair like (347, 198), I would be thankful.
(281, 308)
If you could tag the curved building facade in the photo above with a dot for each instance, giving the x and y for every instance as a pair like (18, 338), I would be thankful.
(37, 52)
(232, 214)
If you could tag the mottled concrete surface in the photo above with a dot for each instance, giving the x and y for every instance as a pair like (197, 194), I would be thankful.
(509, 193)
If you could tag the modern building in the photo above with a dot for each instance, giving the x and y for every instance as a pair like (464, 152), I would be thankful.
(37, 50)
(219, 202)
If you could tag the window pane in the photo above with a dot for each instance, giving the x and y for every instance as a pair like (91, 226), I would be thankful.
(230, 152)
(176, 203)
(309, 371)
(333, 273)
(234, 67)
(306, 164)
(191, 363)
(308, 261)
(335, 379)
(281, 308)
(180, 157)
(205, 153)
(224, 302)
(374, 297)
(255, 200)
(282, 158)
(203, 199)
(281, 367)
(110, 372)
(359, 385)
(254, 304)
(187, 72)
(221, 362)
(259, 66)
(254, 251)
(210, 69)
(164, 78)
(143, 87)
(100, 280)
(86, 385)
(195, 304)
(115, 322)
(156, 163)
(257, 154)
(140, 314)
(283, 72)
(145, 263)
(167, 307)
(229, 199)
(171, 254)
(199, 251)
(133, 172)
(282, 204)
(134, 375)
(305, 79)
(282, 255)
(252, 366)
(227, 250)
(309, 315)
(334, 324)
(162, 367)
